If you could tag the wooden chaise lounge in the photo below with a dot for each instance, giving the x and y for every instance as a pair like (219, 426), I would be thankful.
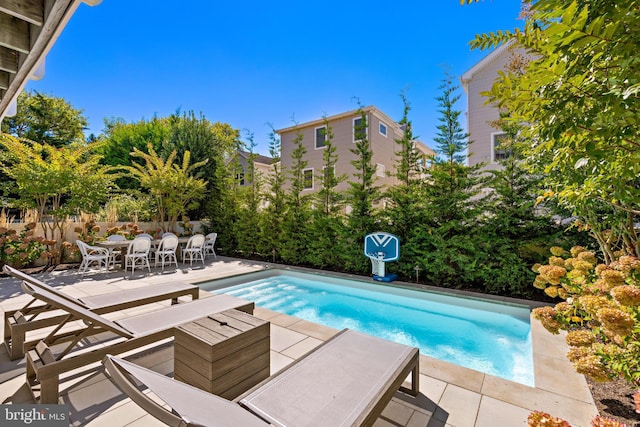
(31, 317)
(347, 381)
(61, 352)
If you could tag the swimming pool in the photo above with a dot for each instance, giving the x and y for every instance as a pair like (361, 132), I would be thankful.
(490, 337)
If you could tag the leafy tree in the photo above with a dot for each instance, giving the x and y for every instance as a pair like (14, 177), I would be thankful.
(578, 96)
(46, 120)
(174, 187)
(120, 139)
(58, 182)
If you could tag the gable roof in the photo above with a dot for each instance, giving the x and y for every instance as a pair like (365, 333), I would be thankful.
(320, 122)
(258, 158)
(483, 63)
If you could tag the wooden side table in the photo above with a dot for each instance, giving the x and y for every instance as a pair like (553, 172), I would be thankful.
(224, 354)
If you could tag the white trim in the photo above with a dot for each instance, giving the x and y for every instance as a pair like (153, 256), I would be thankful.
(353, 128)
(315, 138)
(304, 179)
(493, 145)
(386, 128)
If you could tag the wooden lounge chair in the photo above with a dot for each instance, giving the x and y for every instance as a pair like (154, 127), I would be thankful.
(347, 381)
(61, 352)
(33, 316)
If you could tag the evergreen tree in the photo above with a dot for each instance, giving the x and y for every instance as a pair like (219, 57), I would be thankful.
(275, 196)
(326, 225)
(298, 209)
(443, 240)
(248, 225)
(405, 203)
(362, 194)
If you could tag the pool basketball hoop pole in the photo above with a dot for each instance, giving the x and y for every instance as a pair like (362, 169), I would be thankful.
(380, 248)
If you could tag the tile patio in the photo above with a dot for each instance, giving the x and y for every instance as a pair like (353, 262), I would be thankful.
(450, 395)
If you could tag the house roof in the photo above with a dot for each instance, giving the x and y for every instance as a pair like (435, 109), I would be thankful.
(484, 62)
(259, 158)
(28, 30)
(320, 122)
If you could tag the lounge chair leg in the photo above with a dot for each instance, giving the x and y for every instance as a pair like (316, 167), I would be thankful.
(49, 390)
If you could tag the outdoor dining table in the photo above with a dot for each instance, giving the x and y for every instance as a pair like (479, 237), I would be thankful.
(123, 245)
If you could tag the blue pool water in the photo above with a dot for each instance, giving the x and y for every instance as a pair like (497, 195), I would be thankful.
(486, 336)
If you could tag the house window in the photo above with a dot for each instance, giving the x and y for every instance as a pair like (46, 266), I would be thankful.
(307, 179)
(499, 152)
(359, 131)
(329, 173)
(240, 178)
(381, 170)
(382, 128)
(321, 137)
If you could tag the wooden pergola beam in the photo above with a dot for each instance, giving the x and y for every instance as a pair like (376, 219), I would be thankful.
(8, 60)
(4, 80)
(31, 11)
(14, 33)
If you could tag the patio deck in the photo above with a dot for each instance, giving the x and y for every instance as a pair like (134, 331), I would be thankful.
(450, 395)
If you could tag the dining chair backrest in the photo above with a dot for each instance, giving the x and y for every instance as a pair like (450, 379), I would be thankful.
(168, 233)
(168, 243)
(145, 236)
(211, 236)
(116, 238)
(195, 241)
(83, 247)
(140, 246)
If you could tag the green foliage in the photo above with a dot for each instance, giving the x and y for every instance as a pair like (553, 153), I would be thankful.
(120, 139)
(172, 185)
(20, 249)
(56, 181)
(46, 120)
(578, 96)
(298, 207)
(329, 201)
(132, 207)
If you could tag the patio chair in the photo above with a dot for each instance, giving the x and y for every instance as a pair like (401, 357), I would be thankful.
(347, 381)
(166, 251)
(168, 233)
(193, 250)
(32, 316)
(64, 351)
(138, 254)
(115, 254)
(209, 244)
(92, 255)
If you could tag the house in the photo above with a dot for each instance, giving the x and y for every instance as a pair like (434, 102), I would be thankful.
(485, 138)
(262, 167)
(382, 132)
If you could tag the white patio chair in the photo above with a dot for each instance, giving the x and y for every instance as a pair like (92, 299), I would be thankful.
(166, 251)
(144, 235)
(168, 233)
(92, 255)
(209, 244)
(138, 254)
(115, 254)
(193, 250)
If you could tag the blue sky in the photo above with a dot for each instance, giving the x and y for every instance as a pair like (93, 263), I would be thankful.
(253, 63)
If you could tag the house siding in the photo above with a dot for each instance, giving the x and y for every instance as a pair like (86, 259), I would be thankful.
(383, 148)
(481, 115)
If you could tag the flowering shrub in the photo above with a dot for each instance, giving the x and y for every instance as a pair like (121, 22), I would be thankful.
(600, 311)
(20, 249)
(542, 419)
